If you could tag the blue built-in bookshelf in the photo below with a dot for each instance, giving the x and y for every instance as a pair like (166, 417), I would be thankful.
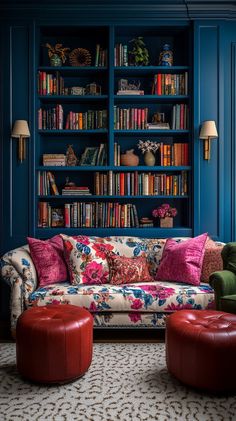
(112, 119)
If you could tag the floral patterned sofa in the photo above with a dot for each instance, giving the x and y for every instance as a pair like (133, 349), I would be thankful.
(128, 305)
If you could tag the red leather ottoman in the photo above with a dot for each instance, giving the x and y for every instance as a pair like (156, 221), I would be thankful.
(201, 349)
(54, 343)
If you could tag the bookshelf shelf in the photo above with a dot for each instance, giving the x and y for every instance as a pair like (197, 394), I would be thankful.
(99, 197)
(152, 232)
(72, 98)
(149, 69)
(150, 98)
(55, 109)
(93, 168)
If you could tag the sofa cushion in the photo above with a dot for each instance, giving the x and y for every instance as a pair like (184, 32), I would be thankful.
(48, 258)
(86, 256)
(155, 296)
(212, 261)
(127, 270)
(182, 262)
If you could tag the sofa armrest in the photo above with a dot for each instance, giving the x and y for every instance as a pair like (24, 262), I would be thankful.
(18, 271)
(223, 283)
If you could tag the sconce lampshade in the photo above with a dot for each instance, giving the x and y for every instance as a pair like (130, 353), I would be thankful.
(20, 128)
(207, 132)
(21, 131)
(208, 129)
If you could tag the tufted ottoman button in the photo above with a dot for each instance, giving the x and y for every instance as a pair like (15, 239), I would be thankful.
(54, 343)
(201, 349)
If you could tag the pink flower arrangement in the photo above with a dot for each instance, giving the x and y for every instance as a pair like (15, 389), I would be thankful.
(165, 210)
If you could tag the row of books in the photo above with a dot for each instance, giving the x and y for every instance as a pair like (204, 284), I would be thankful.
(91, 119)
(121, 55)
(52, 119)
(143, 184)
(176, 154)
(100, 56)
(170, 84)
(46, 184)
(180, 117)
(88, 215)
(130, 118)
(50, 84)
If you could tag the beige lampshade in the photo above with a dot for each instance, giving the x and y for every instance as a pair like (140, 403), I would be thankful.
(208, 129)
(20, 128)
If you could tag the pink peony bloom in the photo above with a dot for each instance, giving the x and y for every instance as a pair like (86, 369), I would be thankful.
(94, 274)
(136, 304)
(134, 317)
(82, 239)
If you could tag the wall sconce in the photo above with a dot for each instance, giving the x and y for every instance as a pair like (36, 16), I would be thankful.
(21, 131)
(208, 132)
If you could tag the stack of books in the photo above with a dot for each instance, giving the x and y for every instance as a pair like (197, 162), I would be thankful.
(146, 222)
(54, 160)
(130, 92)
(75, 191)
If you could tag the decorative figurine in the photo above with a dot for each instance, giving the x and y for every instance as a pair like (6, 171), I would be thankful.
(166, 56)
(71, 159)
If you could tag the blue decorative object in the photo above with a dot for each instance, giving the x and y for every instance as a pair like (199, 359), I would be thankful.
(166, 56)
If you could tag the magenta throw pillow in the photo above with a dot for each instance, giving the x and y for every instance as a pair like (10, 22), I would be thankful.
(48, 258)
(182, 262)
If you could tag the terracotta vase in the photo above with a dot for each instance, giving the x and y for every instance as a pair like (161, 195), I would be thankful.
(166, 222)
(149, 158)
(129, 159)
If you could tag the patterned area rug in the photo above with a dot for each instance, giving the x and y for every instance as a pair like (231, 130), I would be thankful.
(126, 382)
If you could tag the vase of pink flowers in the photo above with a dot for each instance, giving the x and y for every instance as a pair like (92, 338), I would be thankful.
(166, 214)
(148, 148)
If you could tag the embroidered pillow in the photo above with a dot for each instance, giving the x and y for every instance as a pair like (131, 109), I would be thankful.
(86, 259)
(128, 270)
(182, 262)
(212, 261)
(48, 258)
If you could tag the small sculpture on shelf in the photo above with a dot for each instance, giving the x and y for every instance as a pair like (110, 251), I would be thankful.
(139, 55)
(80, 57)
(57, 54)
(148, 148)
(166, 214)
(166, 56)
(71, 160)
(69, 183)
(93, 89)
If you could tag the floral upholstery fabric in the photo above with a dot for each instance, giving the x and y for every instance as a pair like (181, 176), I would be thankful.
(18, 271)
(132, 320)
(141, 297)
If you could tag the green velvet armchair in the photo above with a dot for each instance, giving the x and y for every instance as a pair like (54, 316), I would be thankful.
(224, 281)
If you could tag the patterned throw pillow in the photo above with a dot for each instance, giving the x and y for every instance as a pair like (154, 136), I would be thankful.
(212, 261)
(86, 259)
(182, 262)
(128, 270)
(48, 258)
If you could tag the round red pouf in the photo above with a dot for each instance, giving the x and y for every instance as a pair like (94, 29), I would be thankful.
(54, 343)
(201, 349)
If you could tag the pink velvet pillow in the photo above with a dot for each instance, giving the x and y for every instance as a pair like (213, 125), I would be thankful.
(128, 270)
(182, 262)
(48, 258)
